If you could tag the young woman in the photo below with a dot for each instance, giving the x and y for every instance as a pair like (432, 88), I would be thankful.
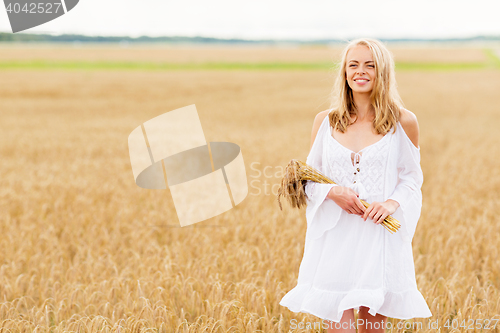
(367, 143)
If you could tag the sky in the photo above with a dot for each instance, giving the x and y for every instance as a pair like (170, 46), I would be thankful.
(276, 19)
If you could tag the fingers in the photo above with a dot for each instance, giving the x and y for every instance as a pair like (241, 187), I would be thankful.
(376, 211)
(351, 202)
(354, 210)
(381, 218)
(357, 206)
(368, 211)
(362, 207)
(373, 211)
(378, 214)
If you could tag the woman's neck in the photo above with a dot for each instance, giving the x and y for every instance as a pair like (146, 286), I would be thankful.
(364, 107)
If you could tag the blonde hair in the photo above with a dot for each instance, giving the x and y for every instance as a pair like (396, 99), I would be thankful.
(384, 97)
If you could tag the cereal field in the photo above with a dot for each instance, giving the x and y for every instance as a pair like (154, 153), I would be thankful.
(83, 249)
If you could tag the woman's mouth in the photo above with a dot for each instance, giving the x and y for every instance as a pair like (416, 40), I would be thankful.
(361, 81)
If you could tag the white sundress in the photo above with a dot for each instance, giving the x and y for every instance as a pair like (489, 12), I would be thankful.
(349, 262)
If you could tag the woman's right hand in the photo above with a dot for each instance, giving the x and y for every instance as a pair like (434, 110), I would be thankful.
(347, 199)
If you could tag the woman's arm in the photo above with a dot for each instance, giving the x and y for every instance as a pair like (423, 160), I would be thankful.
(408, 191)
(312, 187)
(321, 214)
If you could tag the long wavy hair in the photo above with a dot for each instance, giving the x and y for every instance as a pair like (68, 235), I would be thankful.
(384, 97)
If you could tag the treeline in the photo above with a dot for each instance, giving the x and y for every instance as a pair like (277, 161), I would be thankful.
(67, 38)
(21, 37)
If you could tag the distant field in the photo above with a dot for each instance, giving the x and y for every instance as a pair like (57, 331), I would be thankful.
(208, 53)
(85, 250)
(228, 58)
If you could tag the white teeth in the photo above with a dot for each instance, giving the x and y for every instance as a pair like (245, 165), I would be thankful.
(358, 80)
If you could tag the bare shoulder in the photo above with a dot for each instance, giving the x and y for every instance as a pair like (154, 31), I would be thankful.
(409, 123)
(317, 123)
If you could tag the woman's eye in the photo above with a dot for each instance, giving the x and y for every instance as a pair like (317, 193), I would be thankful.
(352, 65)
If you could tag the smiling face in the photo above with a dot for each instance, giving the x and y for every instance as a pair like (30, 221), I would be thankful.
(360, 70)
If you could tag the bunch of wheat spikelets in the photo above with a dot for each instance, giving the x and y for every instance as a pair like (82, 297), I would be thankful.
(297, 173)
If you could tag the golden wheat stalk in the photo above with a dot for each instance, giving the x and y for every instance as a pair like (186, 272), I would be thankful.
(297, 173)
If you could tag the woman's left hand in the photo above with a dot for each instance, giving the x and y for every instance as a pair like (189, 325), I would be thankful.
(378, 211)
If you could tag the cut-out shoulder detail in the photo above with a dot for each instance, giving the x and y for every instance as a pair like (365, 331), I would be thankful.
(409, 123)
(317, 123)
(321, 115)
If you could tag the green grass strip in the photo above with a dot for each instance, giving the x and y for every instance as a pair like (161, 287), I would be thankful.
(264, 66)
(493, 58)
(415, 66)
(103, 65)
